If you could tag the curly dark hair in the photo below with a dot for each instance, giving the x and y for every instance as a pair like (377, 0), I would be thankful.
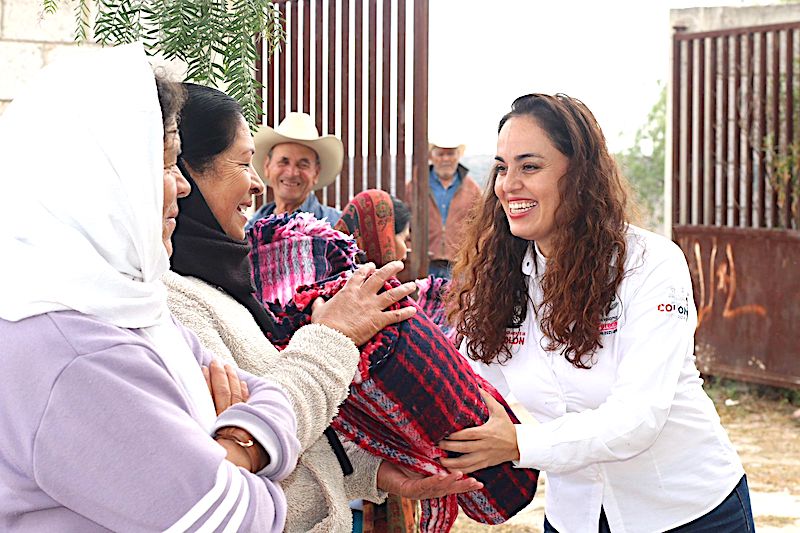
(587, 258)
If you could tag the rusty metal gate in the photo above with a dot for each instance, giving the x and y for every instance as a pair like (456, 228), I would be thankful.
(736, 196)
(360, 68)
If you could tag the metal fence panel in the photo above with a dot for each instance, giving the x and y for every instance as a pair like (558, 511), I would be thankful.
(369, 80)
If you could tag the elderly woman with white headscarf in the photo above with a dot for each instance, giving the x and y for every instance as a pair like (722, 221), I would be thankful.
(106, 421)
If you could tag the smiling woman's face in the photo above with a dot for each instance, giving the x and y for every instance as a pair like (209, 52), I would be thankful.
(229, 183)
(175, 185)
(528, 169)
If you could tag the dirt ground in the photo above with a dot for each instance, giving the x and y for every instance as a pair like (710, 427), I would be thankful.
(767, 438)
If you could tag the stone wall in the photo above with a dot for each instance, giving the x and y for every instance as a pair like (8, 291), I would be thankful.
(698, 19)
(29, 39)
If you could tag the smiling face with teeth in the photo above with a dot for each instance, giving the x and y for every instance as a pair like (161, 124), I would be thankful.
(230, 181)
(528, 168)
(292, 171)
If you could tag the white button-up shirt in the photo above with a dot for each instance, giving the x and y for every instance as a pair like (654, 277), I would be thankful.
(635, 433)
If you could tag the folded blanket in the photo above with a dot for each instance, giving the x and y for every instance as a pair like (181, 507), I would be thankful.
(290, 250)
(430, 299)
(414, 389)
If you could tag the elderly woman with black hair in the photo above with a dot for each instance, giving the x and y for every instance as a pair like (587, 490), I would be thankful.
(106, 422)
(210, 291)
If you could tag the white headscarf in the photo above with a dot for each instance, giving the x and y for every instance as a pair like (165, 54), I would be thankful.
(81, 202)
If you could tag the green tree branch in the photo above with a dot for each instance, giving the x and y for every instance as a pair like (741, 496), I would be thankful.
(217, 39)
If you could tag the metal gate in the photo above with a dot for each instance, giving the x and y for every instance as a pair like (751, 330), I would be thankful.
(736, 195)
(360, 68)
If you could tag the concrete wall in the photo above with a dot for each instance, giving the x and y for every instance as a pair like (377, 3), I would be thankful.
(698, 19)
(29, 39)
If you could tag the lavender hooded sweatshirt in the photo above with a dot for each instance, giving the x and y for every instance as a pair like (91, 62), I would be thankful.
(95, 435)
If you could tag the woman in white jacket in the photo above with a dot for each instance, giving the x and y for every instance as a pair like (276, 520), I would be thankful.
(589, 322)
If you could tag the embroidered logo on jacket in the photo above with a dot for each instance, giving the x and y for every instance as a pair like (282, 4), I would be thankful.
(515, 337)
(610, 324)
(677, 303)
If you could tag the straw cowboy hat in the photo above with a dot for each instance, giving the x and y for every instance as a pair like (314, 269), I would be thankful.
(445, 142)
(299, 128)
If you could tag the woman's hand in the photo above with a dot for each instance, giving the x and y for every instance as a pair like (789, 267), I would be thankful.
(224, 385)
(398, 480)
(358, 310)
(483, 446)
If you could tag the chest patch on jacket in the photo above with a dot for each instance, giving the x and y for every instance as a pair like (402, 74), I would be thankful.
(609, 324)
(515, 337)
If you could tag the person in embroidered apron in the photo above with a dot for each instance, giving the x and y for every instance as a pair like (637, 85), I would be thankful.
(211, 292)
(589, 322)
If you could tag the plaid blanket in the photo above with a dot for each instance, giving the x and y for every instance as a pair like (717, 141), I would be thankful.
(295, 249)
(430, 299)
(413, 389)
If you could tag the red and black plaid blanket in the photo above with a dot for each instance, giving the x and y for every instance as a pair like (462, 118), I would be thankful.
(415, 389)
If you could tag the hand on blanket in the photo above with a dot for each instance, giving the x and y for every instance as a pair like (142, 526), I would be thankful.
(358, 310)
(397, 480)
(483, 446)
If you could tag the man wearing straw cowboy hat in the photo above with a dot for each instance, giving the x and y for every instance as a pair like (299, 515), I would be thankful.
(452, 194)
(295, 160)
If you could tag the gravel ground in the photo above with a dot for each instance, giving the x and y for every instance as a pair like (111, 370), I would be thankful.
(767, 437)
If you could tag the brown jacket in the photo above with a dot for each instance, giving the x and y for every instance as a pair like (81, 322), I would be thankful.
(444, 239)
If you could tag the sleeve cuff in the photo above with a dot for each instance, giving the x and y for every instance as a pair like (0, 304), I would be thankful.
(260, 432)
(307, 339)
(535, 449)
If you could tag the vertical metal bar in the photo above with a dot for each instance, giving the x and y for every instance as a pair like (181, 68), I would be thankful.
(358, 158)
(794, 204)
(400, 161)
(761, 220)
(282, 71)
(790, 118)
(331, 45)
(306, 86)
(259, 200)
(294, 44)
(747, 104)
(775, 77)
(725, 130)
(686, 217)
(344, 189)
(676, 129)
(710, 210)
(269, 104)
(308, 70)
(372, 97)
(736, 176)
(419, 164)
(319, 36)
(702, 115)
(386, 98)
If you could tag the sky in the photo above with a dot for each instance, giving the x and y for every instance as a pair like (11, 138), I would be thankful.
(611, 54)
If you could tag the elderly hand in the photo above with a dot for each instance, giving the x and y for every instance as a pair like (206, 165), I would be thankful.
(357, 310)
(397, 480)
(483, 446)
(224, 385)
